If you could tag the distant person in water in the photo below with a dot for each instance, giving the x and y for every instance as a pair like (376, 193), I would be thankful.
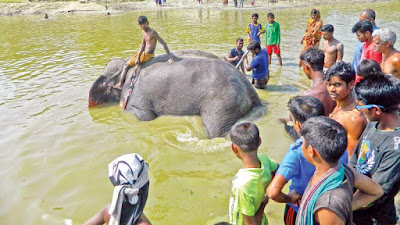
(384, 40)
(273, 38)
(129, 175)
(147, 48)
(235, 54)
(259, 65)
(333, 49)
(255, 29)
(312, 35)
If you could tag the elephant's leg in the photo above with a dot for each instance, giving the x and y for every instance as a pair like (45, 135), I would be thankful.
(142, 112)
(218, 120)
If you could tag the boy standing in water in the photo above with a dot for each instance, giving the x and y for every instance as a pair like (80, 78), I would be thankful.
(333, 49)
(254, 30)
(247, 202)
(328, 198)
(273, 38)
(147, 48)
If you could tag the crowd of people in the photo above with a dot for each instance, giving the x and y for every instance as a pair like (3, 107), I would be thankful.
(344, 164)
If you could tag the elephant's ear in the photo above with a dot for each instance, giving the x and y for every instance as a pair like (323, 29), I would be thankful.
(102, 91)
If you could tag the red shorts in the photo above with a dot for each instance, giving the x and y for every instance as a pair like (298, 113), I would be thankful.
(273, 47)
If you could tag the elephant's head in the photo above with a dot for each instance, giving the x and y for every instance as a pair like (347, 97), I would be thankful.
(102, 91)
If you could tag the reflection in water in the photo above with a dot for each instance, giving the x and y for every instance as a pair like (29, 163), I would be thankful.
(55, 150)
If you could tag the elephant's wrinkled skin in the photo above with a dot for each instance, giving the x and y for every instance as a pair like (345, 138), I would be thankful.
(197, 83)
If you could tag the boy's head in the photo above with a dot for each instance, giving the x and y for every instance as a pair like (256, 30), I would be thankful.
(254, 17)
(383, 39)
(271, 17)
(324, 138)
(312, 60)
(327, 31)
(239, 43)
(245, 136)
(340, 80)
(254, 47)
(304, 107)
(143, 22)
(369, 67)
(363, 30)
(376, 95)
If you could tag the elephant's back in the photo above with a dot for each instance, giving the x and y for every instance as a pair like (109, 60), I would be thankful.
(193, 83)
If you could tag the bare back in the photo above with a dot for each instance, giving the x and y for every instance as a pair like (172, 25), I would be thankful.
(391, 65)
(353, 121)
(319, 91)
(150, 37)
(333, 51)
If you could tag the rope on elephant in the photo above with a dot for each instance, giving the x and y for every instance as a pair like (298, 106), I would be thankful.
(132, 84)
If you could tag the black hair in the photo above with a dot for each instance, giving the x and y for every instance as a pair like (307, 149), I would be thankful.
(328, 27)
(239, 39)
(343, 70)
(305, 107)
(369, 67)
(370, 13)
(325, 135)
(142, 20)
(253, 45)
(314, 11)
(362, 26)
(315, 57)
(254, 15)
(270, 15)
(379, 90)
(245, 135)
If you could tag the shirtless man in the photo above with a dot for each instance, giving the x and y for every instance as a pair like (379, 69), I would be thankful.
(340, 79)
(384, 40)
(333, 49)
(312, 61)
(146, 52)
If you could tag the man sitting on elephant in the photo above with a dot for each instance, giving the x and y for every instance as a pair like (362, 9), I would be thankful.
(259, 65)
(147, 48)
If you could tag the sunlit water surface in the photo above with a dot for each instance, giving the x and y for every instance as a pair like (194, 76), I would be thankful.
(55, 151)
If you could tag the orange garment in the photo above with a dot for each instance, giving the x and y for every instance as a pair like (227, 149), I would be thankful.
(313, 32)
(144, 57)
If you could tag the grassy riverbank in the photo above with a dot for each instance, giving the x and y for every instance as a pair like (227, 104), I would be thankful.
(26, 7)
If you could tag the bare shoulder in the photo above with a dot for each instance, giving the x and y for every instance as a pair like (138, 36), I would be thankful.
(356, 117)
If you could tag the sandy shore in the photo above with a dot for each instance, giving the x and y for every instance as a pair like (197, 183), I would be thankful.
(85, 6)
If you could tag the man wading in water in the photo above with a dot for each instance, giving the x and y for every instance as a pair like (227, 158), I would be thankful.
(146, 52)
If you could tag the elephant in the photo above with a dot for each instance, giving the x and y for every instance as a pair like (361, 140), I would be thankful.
(196, 83)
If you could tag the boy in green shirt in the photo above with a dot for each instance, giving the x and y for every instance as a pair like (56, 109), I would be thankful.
(248, 200)
(273, 38)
